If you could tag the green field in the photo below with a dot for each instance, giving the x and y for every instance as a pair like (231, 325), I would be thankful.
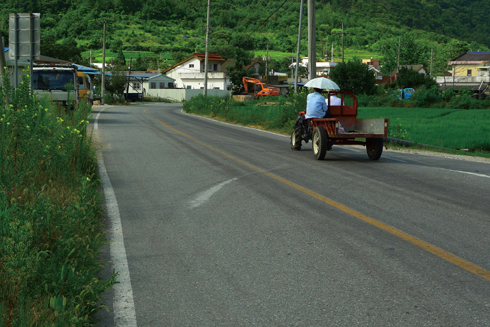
(452, 129)
(448, 128)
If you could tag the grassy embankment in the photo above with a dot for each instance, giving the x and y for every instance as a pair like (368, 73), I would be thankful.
(453, 129)
(50, 214)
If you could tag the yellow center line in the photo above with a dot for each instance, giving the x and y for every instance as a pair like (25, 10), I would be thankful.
(477, 270)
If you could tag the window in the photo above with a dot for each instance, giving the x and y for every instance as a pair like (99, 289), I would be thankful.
(191, 65)
(162, 85)
(469, 72)
(170, 85)
(189, 87)
(215, 66)
(136, 86)
(153, 85)
(81, 85)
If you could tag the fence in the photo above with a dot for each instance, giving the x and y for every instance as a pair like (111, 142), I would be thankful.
(185, 94)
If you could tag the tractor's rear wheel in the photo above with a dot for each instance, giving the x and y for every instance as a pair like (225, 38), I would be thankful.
(320, 143)
(296, 138)
(374, 148)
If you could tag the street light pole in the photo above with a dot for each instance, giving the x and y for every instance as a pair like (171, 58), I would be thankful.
(206, 68)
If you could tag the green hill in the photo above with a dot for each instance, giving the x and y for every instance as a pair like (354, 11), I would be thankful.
(170, 30)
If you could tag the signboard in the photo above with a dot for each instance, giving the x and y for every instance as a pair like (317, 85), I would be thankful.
(25, 36)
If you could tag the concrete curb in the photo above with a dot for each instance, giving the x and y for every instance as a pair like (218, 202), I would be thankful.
(403, 142)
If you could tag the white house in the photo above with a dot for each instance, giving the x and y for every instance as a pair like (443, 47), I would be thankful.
(189, 73)
(158, 82)
(322, 67)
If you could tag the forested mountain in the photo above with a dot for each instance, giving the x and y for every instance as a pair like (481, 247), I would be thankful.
(173, 29)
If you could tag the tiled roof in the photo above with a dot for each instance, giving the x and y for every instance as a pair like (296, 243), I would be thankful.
(472, 56)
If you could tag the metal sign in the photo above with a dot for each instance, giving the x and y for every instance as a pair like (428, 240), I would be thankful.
(24, 36)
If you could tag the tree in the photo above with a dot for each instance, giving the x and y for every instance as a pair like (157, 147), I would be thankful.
(67, 50)
(115, 83)
(411, 53)
(354, 76)
(120, 59)
(409, 78)
(236, 71)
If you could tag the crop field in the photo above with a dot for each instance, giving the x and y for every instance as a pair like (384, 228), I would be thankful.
(448, 128)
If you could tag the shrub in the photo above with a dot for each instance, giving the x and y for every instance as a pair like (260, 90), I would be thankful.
(50, 210)
(467, 102)
(425, 97)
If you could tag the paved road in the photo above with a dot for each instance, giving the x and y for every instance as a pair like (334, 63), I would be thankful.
(227, 226)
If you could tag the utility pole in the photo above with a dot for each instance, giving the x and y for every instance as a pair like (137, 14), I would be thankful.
(332, 53)
(298, 48)
(342, 39)
(266, 62)
(342, 42)
(2, 57)
(102, 89)
(431, 57)
(311, 40)
(129, 77)
(206, 68)
(399, 47)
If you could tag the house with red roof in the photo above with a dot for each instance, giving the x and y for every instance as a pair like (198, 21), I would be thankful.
(189, 73)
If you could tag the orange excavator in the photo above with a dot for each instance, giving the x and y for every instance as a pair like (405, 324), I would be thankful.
(259, 89)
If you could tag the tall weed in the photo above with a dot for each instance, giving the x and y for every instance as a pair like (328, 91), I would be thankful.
(50, 210)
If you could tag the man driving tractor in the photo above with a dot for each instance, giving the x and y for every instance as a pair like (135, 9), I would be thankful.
(316, 106)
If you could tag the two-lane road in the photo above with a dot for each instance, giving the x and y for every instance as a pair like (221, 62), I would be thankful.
(227, 226)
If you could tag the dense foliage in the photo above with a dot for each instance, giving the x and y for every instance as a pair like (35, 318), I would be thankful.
(50, 214)
(168, 30)
(354, 76)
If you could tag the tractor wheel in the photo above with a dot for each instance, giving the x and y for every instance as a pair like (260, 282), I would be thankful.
(320, 143)
(296, 138)
(374, 148)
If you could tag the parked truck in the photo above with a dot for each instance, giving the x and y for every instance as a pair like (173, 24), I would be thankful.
(405, 93)
(257, 88)
(58, 82)
(85, 87)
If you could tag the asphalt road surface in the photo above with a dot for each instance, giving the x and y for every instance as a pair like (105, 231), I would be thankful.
(227, 226)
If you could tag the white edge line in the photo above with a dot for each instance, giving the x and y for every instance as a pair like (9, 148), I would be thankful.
(467, 172)
(390, 158)
(123, 302)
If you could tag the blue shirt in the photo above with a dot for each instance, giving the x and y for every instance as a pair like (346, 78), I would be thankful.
(315, 106)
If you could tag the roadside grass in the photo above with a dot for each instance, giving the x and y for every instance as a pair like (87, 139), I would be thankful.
(450, 129)
(50, 214)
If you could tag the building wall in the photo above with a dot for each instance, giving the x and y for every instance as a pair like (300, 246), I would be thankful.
(191, 66)
(185, 94)
(168, 82)
(191, 74)
(462, 70)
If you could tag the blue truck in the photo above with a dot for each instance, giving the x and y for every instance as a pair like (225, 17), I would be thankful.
(405, 93)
